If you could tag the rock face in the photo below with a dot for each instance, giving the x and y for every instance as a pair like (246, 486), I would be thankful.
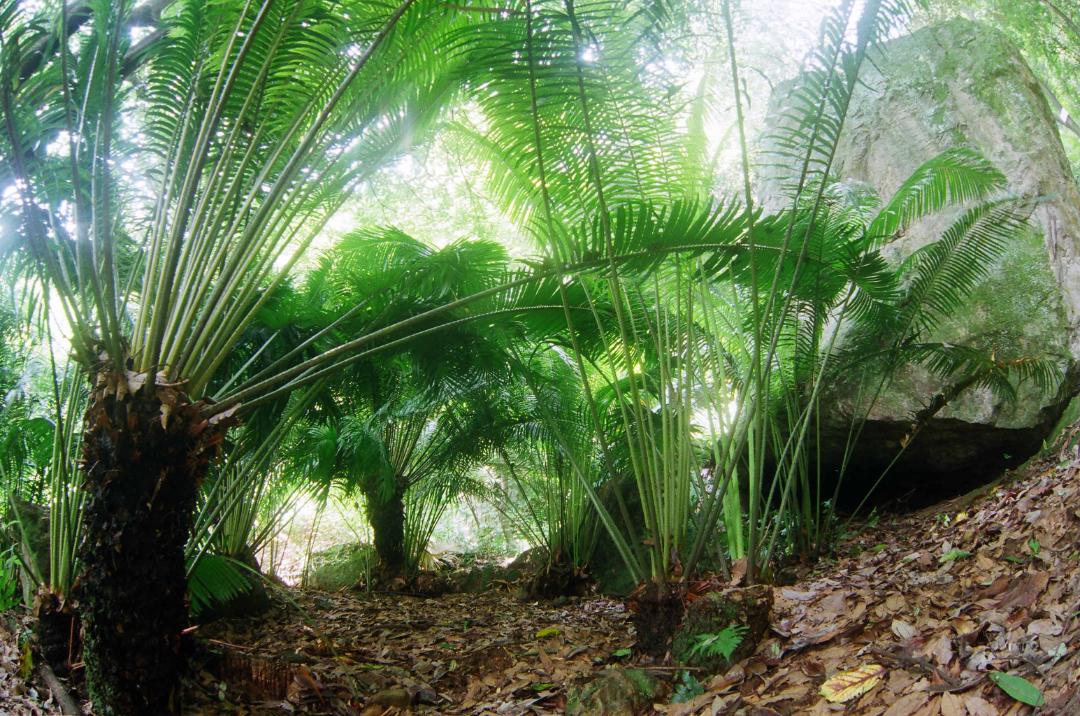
(963, 84)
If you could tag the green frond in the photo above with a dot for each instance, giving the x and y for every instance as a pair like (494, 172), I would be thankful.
(942, 274)
(957, 176)
(216, 580)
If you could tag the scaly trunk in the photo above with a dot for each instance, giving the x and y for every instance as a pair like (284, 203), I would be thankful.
(57, 629)
(387, 518)
(144, 452)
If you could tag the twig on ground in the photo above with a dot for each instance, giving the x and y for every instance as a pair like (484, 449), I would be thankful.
(673, 668)
(59, 692)
(924, 664)
(963, 686)
(231, 646)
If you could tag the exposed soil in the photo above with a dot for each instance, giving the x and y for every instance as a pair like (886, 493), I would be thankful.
(941, 599)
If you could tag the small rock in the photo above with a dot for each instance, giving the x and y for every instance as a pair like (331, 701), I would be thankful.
(531, 560)
(787, 577)
(387, 698)
(755, 710)
(520, 595)
(614, 692)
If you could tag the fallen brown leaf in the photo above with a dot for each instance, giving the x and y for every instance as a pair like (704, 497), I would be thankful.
(907, 705)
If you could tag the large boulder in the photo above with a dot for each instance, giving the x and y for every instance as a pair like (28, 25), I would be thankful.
(31, 531)
(962, 84)
(341, 567)
(612, 576)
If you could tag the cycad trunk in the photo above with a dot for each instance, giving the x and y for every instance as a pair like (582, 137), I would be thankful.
(57, 629)
(387, 518)
(144, 455)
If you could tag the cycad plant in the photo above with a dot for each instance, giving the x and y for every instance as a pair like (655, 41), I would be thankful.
(740, 316)
(57, 630)
(408, 448)
(537, 487)
(243, 505)
(43, 485)
(255, 121)
(588, 154)
(860, 318)
(166, 213)
(425, 505)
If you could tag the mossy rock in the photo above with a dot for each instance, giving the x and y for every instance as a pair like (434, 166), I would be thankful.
(614, 692)
(532, 560)
(340, 567)
(955, 84)
(612, 576)
(478, 579)
(33, 526)
(712, 613)
(485, 577)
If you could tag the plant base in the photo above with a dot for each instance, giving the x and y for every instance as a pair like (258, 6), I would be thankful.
(58, 631)
(657, 614)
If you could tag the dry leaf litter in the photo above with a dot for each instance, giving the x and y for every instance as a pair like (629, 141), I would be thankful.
(912, 619)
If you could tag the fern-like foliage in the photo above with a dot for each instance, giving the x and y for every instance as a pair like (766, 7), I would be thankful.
(215, 580)
(722, 644)
(957, 176)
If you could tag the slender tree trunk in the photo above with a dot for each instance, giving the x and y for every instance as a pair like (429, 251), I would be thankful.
(144, 455)
(387, 518)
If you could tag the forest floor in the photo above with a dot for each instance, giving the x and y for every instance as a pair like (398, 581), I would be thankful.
(941, 599)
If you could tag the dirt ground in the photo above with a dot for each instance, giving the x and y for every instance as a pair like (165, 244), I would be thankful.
(941, 600)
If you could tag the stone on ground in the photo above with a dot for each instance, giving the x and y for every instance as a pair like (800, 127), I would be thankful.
(614, 692)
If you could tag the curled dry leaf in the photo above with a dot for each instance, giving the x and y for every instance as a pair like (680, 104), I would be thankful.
(903, 630)
(848, 685)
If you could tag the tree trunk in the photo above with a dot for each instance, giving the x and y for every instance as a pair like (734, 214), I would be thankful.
(387, 518)
(144, 455)
(57, 629)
